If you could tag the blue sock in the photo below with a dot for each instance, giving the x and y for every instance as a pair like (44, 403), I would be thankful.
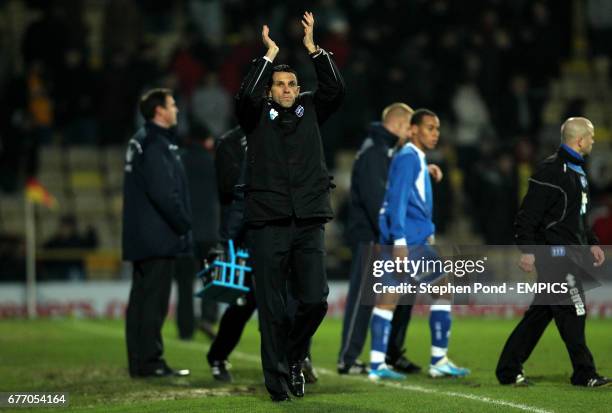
(440, 325)
(380, 327)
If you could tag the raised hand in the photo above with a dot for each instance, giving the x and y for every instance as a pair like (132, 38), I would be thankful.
(269, 43)
(308, 24)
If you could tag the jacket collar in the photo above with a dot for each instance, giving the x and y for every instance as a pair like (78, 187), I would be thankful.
(168, 133)
(569, 155)
(381, 135)
(280, 108)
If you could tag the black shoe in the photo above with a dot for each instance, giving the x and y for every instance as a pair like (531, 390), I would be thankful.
(164, 371)
(310, 374)
(403, 365)
(599, 381)
(358, 367)
(522, 381)
(281, 397)
(296, 379)
(219, 369)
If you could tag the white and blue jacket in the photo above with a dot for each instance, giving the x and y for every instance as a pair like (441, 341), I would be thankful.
(406, 215)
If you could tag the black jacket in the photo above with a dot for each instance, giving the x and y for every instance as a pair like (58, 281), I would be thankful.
(369, 182)
(229, 155)
(202, 183)
(286, 171)
(552, 212)
(231, 170)
(156, 204)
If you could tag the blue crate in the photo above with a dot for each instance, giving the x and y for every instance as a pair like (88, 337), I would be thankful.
(224, 281)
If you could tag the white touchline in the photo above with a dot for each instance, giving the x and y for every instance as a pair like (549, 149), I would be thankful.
(411, 387)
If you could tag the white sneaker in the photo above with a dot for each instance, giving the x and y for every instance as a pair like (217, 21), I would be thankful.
(446, 368)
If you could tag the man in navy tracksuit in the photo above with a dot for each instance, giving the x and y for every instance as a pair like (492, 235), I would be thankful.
(368, 185)
(156, 229)
(553, 214)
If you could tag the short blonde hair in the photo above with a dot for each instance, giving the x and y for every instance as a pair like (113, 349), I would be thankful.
(396, 109)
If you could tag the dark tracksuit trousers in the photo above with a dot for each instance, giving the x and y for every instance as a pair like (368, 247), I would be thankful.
(232, 325)
(569, 318)
(356, 321)
(186, 269)
(146, 312)
(288, 251)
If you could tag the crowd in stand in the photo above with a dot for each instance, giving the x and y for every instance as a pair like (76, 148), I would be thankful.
(484, 66)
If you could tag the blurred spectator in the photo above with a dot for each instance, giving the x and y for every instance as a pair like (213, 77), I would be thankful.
(47, 38)
(599, 14)
(207, 17)
(186, 63)
(120, 85)
(542, 41)
(498, 183)
(75, 102)
(472, 124)
(211, 105)
(235, 64)
(40, 106)
(121, 29)
(517, 112)
(338, 41)
(68, 239)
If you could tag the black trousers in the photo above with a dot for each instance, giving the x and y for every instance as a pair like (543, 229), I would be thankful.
(186, 269)
(397, 336)
(146, 312)
(569, 319)
(234, 320)
(287, 251)
(185, 274)
(231, 327)
(356, 322)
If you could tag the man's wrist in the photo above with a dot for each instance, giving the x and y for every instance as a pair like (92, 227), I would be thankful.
(312, 49)
(271, 54)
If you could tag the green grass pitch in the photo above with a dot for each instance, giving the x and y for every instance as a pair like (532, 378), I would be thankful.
(87, 359)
